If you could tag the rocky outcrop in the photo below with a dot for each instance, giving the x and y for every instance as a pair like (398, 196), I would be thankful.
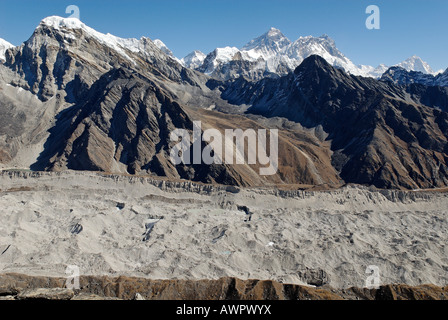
(125, 288)
(402, 76)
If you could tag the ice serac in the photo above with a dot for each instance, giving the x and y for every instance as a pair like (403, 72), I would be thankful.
(4, 45)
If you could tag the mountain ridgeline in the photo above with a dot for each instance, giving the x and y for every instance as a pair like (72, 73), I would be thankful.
(73, 98)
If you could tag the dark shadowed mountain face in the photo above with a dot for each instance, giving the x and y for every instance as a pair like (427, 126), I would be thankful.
(401, 76)
(381, 134)
(72, 101)
(124, 116)
(72, 98)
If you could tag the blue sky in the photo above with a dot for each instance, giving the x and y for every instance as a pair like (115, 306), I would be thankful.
(408, 27)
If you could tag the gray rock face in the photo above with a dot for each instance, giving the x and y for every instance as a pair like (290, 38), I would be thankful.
(72, 59)
(46, 294)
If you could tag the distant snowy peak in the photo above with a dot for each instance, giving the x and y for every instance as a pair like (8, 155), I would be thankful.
(218, 57)
(400, 75)
(415, 63)
(267, 45)
(193, 60)
(159, 43)
(274, 53)
(369, 71)
(4, 45)
(258, 51)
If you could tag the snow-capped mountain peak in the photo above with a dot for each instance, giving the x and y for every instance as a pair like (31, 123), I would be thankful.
(415, 63)
(193, 60)
(306, 46)
(4, 45)
(267, 45)
(57, 22)
(323, 46)
(272, 52)
(162, 46)
(218, 57)
(273, 31)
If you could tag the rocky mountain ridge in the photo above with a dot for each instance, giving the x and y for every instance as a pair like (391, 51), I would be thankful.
(273, 54)
(74, 98)
(399, 75)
